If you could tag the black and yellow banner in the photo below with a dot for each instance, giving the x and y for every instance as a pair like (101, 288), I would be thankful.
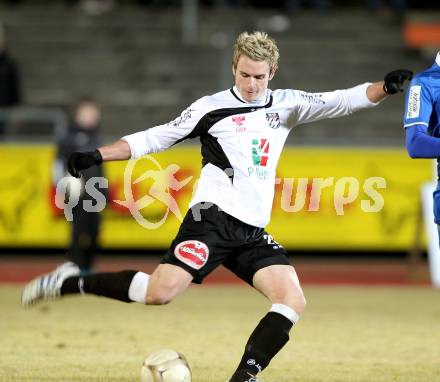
(326, 198)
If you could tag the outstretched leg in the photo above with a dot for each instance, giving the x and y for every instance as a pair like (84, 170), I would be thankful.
(165, 283)
(279, 283)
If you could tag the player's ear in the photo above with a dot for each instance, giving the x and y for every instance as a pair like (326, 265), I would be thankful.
(233, 70)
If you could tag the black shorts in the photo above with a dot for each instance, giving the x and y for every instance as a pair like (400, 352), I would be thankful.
(216, 238)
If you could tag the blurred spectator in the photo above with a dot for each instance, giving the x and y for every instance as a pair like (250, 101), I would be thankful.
(83, 135)
(9, 80)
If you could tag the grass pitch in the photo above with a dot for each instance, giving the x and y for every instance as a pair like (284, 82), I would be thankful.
(346, 335)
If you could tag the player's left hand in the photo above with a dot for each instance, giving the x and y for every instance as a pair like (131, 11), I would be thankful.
(393, 81)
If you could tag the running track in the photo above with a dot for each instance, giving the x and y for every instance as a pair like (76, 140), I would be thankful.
(316, 271)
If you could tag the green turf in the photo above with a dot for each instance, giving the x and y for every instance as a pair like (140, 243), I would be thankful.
(346, 335)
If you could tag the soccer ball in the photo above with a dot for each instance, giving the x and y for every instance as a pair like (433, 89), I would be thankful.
(165, 365)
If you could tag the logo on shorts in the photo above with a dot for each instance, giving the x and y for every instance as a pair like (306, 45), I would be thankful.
(193, 253)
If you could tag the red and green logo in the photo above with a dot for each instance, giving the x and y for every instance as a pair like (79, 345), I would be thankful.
(260, 151)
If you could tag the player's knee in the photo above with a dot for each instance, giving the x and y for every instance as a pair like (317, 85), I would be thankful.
(163, 294)
(293, 299)
(159, 297)
(297, 300)
(301, 303)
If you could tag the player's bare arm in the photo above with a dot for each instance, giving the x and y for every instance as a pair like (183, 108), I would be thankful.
(392, 84)
(375, 92)
(120, 150)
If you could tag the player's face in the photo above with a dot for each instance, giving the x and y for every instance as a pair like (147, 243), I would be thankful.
(251, 78)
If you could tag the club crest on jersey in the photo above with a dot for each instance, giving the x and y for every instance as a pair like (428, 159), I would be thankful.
(193, 253)
(239, 120)
(273, 119)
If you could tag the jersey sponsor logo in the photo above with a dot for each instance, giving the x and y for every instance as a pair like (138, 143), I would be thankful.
(193, 253)
(260, 151)
(273, 120)
(313, 98)
(259, 173)
(413, 110)
(240, 129)
(182, 119)
(239, 119)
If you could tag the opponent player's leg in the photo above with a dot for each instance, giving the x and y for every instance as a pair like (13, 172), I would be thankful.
(166, 282)
(279, 283)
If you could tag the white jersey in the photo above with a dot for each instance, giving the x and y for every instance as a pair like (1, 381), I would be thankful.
(242, 142)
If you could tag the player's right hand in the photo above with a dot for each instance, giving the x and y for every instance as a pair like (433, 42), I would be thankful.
(393, 81)
(80, 161)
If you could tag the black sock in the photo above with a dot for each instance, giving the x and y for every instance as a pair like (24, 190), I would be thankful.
(113, 285)
(270, 335)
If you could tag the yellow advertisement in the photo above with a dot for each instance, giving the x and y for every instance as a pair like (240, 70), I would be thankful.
(325, 198)
(370, 198)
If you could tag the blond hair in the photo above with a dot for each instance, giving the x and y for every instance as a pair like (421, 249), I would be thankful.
(258, 46)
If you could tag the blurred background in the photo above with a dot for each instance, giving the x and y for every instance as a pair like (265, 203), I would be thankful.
(140, 63)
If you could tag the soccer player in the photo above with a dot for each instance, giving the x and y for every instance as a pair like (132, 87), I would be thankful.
(422, 121)
(242, 132)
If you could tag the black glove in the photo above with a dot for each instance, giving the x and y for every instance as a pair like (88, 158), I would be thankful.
(80, 161)
(394, 80)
